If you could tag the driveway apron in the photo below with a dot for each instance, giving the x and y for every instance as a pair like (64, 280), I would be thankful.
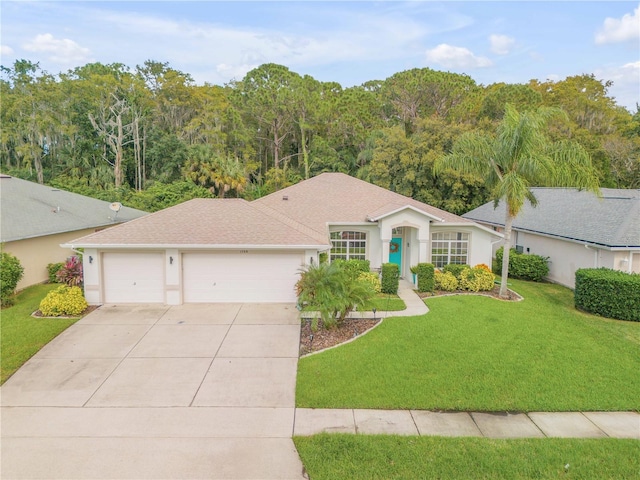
(156, 392)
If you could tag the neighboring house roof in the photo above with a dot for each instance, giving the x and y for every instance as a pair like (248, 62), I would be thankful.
(230, 222)
(295, 216)
(31, 210)
(611, 221)
(336, 198)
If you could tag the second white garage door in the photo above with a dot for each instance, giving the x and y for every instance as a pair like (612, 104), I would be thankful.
(240, 277)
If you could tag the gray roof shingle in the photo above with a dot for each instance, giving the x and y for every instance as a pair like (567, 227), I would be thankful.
(611, 221)
(31, 210)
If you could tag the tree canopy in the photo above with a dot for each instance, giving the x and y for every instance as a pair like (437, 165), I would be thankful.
(115, 132)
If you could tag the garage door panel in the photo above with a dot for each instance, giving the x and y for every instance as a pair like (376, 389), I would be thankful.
(133, 277)
(240, 277)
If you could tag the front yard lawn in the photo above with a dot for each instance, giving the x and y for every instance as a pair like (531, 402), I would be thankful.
(387, 303)
(480, 354)
(21, 335)
(396, 457)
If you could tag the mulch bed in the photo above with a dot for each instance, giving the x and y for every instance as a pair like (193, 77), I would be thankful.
(311, 341)
(89, 309)
(495, 293)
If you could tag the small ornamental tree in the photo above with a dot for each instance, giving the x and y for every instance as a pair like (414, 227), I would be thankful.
(11, 272)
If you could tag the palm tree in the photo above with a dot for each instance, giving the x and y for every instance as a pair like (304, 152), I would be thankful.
(519, 157)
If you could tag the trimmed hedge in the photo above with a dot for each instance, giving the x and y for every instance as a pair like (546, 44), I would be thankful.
(390, 278)
(425, 273)
(609, 293)
(63, 300)
(525, 266)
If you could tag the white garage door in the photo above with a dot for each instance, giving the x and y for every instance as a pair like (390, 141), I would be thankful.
(133, 277)
(240, 277)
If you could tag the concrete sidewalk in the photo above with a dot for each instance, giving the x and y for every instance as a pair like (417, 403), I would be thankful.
(156, 392)
(469, 424)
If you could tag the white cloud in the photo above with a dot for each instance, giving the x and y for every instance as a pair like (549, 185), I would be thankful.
(456, 57)
(62, 51)
(6, 50)
(626, 79)
(501, 44)
(620, 30)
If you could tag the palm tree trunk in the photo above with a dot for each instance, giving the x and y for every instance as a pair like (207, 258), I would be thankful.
(505, 255)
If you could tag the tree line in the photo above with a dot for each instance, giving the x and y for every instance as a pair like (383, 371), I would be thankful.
(151, 137)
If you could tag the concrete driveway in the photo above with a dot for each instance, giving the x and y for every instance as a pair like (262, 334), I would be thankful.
(157, 392)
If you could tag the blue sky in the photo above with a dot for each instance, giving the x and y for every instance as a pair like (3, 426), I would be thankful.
(347, 42)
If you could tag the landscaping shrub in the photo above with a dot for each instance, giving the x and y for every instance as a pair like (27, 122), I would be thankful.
(483, 266)
(354, 267)
(425, 272)
(390, 278)
(333, 291)
(71, 272)
(445, 281)
(476, 279)
(371, 278)
(63, 300)
(323, 257)
(455, 269)
(610, 293)
(524, 265)
(53, 269)
(11, 272)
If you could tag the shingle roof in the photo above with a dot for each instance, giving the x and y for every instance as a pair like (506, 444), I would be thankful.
(612, 221)
(339, 198)
(207, 222)
(30, 210)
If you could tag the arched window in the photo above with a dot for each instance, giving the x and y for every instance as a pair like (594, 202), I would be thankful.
(348, 246)
(449, 247)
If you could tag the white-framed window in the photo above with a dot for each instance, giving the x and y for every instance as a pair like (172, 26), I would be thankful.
(449, 247)
(348, 245)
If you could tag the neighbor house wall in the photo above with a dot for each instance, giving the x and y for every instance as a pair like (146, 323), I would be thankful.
(36, 253)
(565, 257)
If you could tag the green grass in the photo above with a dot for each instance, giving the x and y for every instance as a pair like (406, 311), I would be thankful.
(394, 457)
(387, 303)
(480, 354)
(21, 335)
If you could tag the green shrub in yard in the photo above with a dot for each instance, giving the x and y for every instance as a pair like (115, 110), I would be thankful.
(390, 278)
(477, 279)
(53, 269)
(425, 272)
(445, 281)
(524, 265)
(333, 291)
(371, 278)
(63, 300)
(71, 272)
(455, 269)
(11, 272)
(610, 293)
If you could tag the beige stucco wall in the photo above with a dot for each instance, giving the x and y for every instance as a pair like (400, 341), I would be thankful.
(35, 253)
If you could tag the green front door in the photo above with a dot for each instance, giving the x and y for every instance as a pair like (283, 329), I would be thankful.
(395, 252)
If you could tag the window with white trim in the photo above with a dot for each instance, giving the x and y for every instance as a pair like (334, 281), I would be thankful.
(348, 246)
(449, 247)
